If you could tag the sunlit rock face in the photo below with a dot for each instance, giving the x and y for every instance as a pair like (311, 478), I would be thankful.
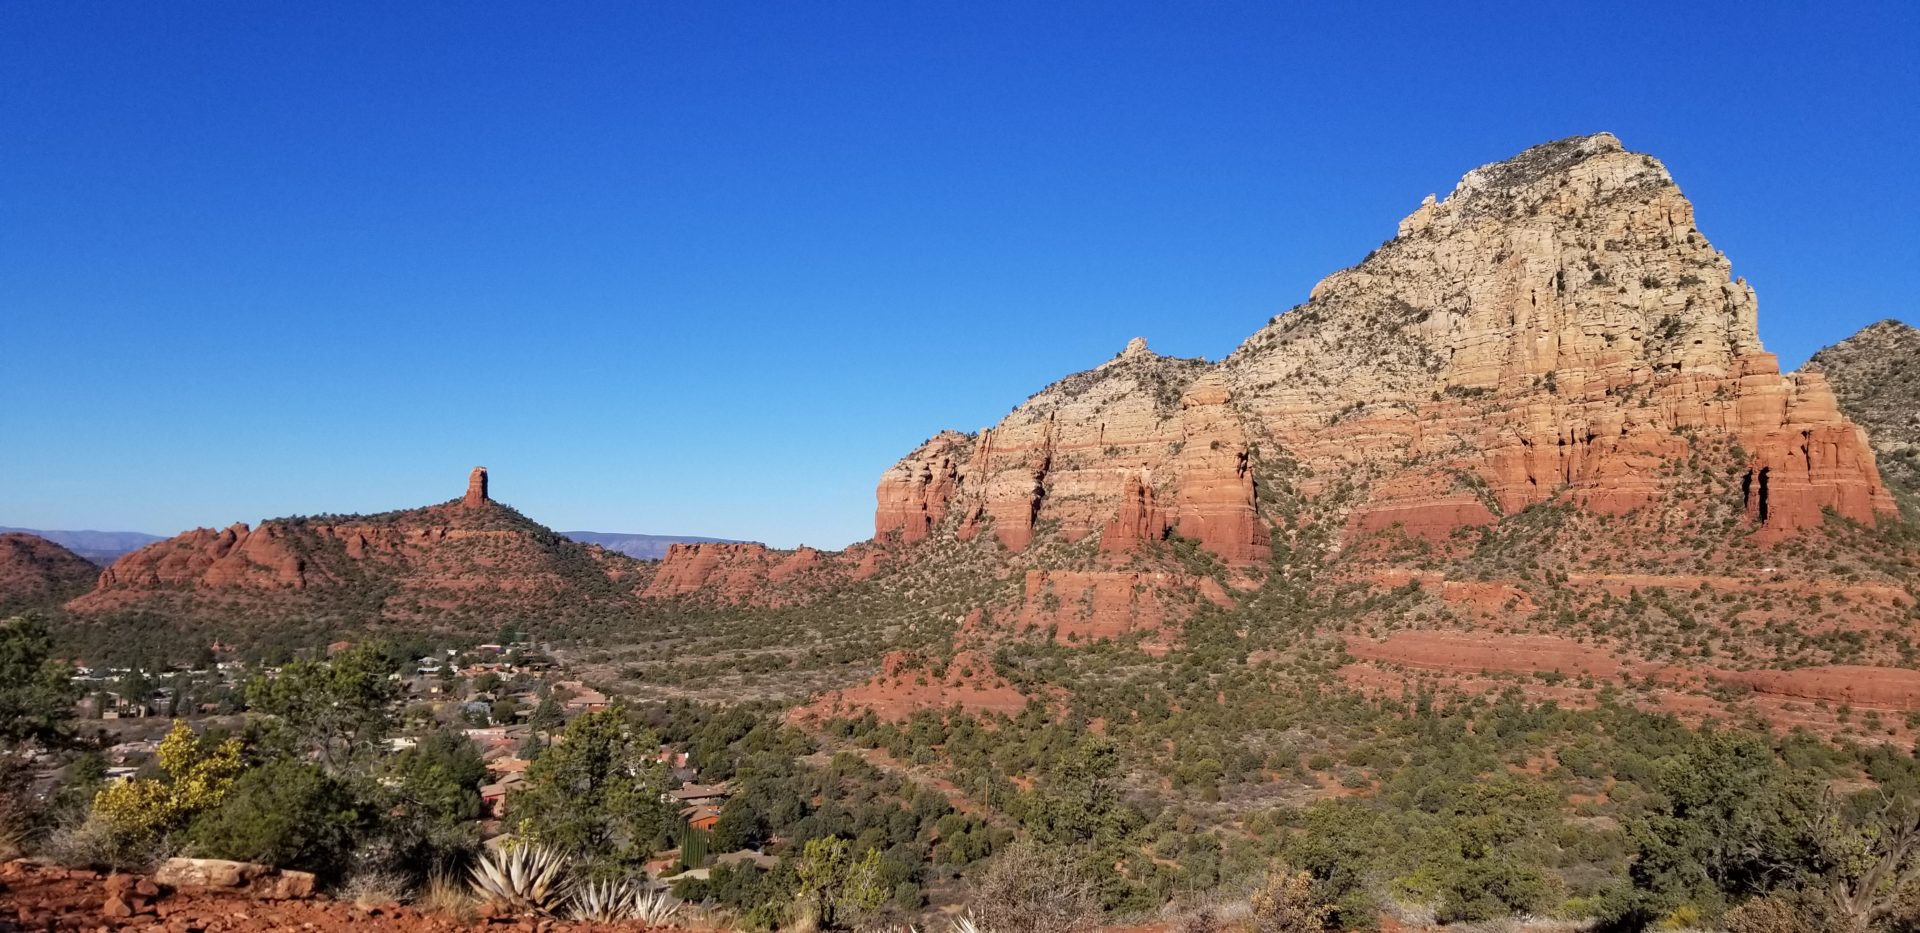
(1557, 325)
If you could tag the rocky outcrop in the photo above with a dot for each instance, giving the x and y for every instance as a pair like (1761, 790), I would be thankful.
(38, 572)
(1875, 377)
(1134, 449)
(1556, 326)
(260, 881)
(751, 573)
(1213, 487)
(914, 494)
(909, 682)
(467, 555)
(1080, 606)
(1477, 652)
(1140, 519)
(476, 489)
(1866, 687)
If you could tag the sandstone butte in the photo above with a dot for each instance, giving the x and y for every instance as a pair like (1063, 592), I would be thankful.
(1556, 324)
(471, 549)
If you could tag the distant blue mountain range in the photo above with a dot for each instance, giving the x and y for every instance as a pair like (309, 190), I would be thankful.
(100, 547)
(644, 547)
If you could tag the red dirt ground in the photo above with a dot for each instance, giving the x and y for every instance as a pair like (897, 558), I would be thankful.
(36, 897)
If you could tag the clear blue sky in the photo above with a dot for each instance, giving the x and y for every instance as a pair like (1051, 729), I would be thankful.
(709, 268)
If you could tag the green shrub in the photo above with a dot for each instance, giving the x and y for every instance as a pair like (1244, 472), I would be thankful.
(289, 814)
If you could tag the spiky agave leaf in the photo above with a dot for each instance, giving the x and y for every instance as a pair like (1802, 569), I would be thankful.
(604, 901)
(654, 907)
(523, 878)
(966, 924)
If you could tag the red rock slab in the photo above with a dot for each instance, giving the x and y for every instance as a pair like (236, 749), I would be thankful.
(1472, 652)
(906, 685)
(1884, 688)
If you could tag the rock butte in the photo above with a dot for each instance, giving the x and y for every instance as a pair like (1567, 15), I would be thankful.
(1556, 323)
(470, 547)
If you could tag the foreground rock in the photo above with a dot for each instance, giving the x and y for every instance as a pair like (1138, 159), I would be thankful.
(258, 881)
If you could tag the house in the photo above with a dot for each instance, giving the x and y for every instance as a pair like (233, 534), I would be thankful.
(702, 817)
(701, 795)
(494, 795)
(508, 765)
(757, 859)
(583, 699)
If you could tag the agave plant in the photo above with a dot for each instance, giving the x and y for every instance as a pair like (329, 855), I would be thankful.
(654, 907)
(966, 924)
(614, 901)
(523, 878)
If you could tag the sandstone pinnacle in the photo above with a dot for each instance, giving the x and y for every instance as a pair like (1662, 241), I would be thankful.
(476, 488)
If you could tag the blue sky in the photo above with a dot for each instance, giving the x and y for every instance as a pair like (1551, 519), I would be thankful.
(709, 268)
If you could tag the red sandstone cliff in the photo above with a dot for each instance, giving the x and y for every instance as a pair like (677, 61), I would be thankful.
(1556, 326)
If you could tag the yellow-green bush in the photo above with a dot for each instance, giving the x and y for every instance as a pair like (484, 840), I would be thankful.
(199, 773)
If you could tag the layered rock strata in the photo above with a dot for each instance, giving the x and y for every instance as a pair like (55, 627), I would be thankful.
(1556, 326)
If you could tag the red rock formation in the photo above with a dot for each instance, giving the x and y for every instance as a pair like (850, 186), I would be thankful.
(908, 683)
(1555, 326)
(1479, 652)
(750, 573)
(1884, 688)
(914, 494)
(34, 570)
(1140, 520)
(1421, 504)
(470, 553)
(1082, 606)
(1214, 500)
(476, 488)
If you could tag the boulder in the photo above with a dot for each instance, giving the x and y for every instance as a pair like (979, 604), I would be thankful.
(261, 881)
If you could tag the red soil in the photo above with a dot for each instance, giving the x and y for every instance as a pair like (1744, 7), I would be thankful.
(35, 897)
